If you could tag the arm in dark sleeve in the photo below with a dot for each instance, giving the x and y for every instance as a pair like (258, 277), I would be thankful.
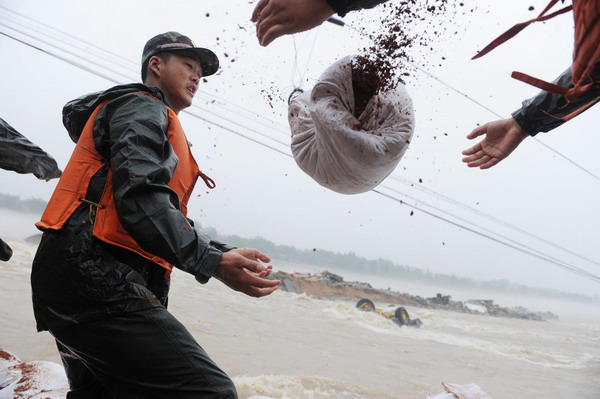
(342, 7)
(142, 163)
(22, 156)
(217, 244)
(543, 112)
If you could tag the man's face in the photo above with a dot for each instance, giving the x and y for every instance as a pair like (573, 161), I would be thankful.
(179, 80)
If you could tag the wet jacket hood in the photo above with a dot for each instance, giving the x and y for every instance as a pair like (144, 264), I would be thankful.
(77, 112)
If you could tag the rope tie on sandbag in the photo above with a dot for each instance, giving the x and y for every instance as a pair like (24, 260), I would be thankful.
(297, 84)
(296, 91)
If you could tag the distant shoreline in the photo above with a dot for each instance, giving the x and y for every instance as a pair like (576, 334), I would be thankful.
(326, 285)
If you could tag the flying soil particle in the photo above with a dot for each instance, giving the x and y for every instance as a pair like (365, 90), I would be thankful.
(388, 60)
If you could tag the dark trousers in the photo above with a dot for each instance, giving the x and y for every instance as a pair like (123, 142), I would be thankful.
(144, 354)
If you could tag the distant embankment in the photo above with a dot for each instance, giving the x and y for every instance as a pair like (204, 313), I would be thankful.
(16, 203)
(350, 262)
(327, 285)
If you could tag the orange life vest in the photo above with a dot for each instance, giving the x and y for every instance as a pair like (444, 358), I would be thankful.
(85, 162)
(586, 54)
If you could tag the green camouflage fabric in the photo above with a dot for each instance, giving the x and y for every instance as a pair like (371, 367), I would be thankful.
(174, 41)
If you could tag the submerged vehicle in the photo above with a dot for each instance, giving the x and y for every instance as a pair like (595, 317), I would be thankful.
(400, 315)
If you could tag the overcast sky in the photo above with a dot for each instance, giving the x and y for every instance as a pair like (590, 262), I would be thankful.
(261, 191)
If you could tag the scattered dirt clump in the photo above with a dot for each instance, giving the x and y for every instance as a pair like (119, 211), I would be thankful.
(409, 26)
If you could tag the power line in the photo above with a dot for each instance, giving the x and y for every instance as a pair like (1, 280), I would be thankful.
(489, 217)
(88, 69)
(342, 24)
(525, 250)
(562, 265)
(78, 65)
(115, 55)
(195, 115)
(336, 22)
(529, 250)
(124, 59)
(501, 117)
(58, 48)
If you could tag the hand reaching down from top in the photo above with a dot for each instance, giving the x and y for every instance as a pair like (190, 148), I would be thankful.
(501, 138)
(275, 18)
(241, 270)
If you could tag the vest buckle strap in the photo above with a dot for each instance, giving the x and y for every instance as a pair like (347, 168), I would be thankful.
(93, 207)
(210, 183)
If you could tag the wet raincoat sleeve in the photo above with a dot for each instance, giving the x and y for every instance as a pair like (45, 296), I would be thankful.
(217, 244)
(131, 132)
(342, 7)
(5, 251)
(22, 156)
(543, 112)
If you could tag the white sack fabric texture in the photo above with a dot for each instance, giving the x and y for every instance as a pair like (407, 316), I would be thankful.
(333, 148)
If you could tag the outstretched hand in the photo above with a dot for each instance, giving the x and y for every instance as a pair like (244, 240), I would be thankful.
(501, 138)
(275, 18)
(241, 270)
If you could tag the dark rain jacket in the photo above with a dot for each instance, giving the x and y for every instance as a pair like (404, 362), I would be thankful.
(76, 278)
(545, 111)
(22, 156)
(5, 251)
(342, 7)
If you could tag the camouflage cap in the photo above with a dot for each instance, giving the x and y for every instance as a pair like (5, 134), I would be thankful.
(174, 41)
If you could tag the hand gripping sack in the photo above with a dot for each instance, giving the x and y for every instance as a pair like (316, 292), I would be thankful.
(335, 150)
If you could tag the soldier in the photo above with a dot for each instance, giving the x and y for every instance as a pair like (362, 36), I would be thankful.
(116, 226)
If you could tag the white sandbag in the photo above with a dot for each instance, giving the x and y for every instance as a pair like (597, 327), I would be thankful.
(327, 143)
(31, 380)
(457, 391)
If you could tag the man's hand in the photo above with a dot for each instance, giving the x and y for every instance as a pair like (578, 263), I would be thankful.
(276, 18)
(241, 270)
(501, 138)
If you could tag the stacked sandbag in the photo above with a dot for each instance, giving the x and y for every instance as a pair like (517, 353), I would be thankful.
(31, 380)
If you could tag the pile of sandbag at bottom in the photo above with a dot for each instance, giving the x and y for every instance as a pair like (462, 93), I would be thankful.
(31, 380)
(456, 391)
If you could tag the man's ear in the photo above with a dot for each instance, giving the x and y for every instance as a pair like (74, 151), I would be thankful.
(155, 66)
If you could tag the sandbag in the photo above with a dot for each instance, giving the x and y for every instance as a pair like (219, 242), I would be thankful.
(343, 153)
(31, 380)
(457, 391)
